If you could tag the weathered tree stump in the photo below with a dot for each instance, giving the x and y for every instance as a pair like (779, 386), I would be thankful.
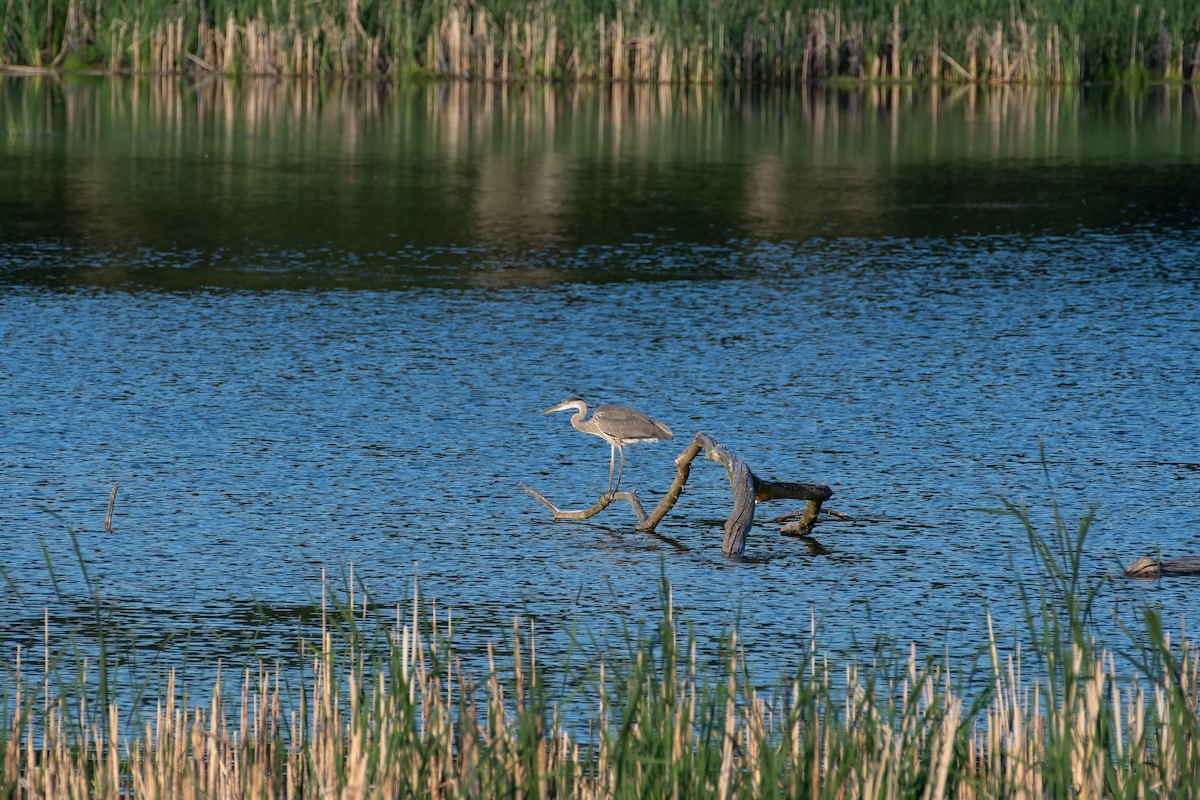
(1146, 567)
(748, 490)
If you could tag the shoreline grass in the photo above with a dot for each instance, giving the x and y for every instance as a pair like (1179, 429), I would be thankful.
(689, 42)
(405, 719)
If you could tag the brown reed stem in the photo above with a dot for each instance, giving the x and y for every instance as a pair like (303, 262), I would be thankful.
(112, 501)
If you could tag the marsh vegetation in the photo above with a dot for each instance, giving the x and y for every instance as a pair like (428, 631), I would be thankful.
(385, 708)
(691, 42)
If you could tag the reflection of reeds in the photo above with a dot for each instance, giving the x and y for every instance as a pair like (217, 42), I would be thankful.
(688, 42)
(522, 140)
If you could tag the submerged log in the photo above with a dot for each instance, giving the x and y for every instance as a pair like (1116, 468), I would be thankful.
(748, 490)
(1146, 567)
(803, 521)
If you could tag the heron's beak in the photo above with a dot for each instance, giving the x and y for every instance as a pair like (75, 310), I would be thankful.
(570, 402)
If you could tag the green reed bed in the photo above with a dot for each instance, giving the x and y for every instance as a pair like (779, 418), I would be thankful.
(397, 715)
(675, 41)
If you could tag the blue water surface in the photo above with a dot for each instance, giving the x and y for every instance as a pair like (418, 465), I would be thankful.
(932, 331)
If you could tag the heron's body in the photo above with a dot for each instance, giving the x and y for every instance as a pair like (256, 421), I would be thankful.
(617, 425)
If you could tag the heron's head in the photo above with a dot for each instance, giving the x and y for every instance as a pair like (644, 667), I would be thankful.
(571, 402)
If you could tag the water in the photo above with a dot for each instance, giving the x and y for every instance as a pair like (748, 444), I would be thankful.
(308, 329)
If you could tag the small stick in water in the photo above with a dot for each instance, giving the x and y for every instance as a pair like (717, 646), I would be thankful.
(112, 500)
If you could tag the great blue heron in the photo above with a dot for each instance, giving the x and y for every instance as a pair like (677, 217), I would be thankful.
(617, 425)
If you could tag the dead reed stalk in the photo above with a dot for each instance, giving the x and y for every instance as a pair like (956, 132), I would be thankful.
(112, 501)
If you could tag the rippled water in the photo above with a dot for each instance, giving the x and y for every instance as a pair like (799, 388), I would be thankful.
(305, 333)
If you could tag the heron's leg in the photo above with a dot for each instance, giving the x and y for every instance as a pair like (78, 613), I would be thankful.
(620, 450)
(612, 461)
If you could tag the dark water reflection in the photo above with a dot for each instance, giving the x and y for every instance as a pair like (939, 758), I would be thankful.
(312, 327)
(361, 185)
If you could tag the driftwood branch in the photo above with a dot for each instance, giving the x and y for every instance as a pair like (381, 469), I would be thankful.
(596, 508)
(748, 490)
(1146, 567)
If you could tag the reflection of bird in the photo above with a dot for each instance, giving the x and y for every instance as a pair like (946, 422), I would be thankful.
(617, 425)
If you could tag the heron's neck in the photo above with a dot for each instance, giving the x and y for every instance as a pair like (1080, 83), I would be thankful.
(577, 419)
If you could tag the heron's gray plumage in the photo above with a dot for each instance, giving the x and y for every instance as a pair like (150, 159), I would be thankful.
(617, 425)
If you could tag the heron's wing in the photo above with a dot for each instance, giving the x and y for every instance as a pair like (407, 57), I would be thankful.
(628, 424)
